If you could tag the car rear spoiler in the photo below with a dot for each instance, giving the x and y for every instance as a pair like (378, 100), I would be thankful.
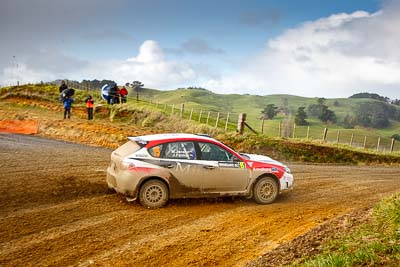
(138, 141)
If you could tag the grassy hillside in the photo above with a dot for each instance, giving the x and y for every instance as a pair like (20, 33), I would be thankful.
(252, 105)
(151, 118)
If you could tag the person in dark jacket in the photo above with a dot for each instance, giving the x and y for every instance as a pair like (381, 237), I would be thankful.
(67, 106)
(112, 94)
(89, 105)
(63, 86)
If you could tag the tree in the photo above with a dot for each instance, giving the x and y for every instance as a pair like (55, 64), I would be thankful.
(373, 114)
(372, 96)
(137, 87)
(269, 111)
(322, 112)
(321, 101)
(396, 137)
(301, 115)
(327, 115)
(336, 103)
(284, 106)
(348, 122)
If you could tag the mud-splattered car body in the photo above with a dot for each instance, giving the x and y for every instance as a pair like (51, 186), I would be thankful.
(188, 165)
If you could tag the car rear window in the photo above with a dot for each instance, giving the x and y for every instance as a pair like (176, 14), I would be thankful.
(155, 151)
(127, 148)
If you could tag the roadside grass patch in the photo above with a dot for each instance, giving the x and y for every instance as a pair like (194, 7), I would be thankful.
(375, 244)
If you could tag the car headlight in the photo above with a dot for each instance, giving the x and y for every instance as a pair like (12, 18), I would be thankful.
(286, 169)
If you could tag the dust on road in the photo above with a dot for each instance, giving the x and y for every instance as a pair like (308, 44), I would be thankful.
(55, 210)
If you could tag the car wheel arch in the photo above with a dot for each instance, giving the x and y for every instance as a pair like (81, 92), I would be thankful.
(265, 189)
(144, 180)
(267, 175)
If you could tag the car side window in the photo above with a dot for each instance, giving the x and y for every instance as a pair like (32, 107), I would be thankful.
(215, 153)
(180, 150)
(155, 151)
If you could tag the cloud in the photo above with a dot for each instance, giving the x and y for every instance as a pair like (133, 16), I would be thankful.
(196, 46)
(334, 56)
(149, 66)
(36, 35)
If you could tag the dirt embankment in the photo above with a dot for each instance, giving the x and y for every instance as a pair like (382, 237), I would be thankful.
(55, 210)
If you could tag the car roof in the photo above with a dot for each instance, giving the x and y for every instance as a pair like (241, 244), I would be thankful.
(170, 136)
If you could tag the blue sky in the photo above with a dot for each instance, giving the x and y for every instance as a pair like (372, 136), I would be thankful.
(309, 48)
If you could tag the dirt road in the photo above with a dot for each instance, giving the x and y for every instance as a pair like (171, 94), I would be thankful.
(55, 210)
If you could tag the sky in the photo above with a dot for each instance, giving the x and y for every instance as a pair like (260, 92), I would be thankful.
(312, 48)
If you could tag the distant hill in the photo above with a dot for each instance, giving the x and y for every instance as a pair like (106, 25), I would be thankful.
(252, 104)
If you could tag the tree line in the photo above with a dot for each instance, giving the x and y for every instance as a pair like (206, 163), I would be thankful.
(374, 114)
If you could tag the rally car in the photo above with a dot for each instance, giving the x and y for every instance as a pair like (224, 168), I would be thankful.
(156, 168)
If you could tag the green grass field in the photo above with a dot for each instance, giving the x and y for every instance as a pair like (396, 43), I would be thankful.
(205, 101)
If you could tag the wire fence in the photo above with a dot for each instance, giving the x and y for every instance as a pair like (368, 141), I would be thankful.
(229, 122)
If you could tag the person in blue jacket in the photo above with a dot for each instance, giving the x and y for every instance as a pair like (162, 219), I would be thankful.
(67, 106)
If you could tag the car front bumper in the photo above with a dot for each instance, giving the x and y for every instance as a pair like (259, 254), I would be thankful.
(287, 182)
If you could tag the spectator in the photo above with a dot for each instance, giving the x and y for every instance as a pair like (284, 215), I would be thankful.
(117, 95)
(124, 94)
(89, 105)
(63, 86)
(112, 93)
(67, 106)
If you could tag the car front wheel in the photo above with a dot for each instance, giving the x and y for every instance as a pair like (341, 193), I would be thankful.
(153, 194)
(265, 190)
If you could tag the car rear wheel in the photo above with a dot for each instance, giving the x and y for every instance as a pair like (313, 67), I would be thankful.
(265, 190)
(153, 194)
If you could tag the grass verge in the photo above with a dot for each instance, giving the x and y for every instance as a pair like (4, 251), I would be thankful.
(376, 243)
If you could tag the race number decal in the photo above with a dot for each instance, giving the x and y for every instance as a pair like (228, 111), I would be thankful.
(241, 165)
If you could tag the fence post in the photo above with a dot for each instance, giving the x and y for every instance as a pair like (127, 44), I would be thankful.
(216, 123)
(377, 146)
(351, 139)
(392, 145)
(241, 122)
(280, 129)
(262, 126)
(294, 130)
(226, 123)
(191, 114)
(201, 112)
(172, 109)
(165, 107)
(308, 132)
(365, 141)
(325, 134)
(182, 109)
(338, 137)
(208, 117)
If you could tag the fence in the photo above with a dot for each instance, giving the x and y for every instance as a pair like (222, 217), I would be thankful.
(230, 121)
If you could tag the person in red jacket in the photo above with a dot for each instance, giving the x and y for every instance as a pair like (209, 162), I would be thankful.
(89, 105)
(123, 92)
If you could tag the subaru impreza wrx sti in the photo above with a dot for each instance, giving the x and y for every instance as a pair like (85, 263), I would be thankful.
(156, 168)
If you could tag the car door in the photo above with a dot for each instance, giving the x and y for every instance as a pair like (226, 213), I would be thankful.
(222, 171)
(180, 159)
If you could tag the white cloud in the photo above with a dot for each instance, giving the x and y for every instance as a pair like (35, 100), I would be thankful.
(149, 66)
(334, 56)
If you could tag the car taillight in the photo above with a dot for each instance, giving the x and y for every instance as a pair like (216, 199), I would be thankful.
(128, 165)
